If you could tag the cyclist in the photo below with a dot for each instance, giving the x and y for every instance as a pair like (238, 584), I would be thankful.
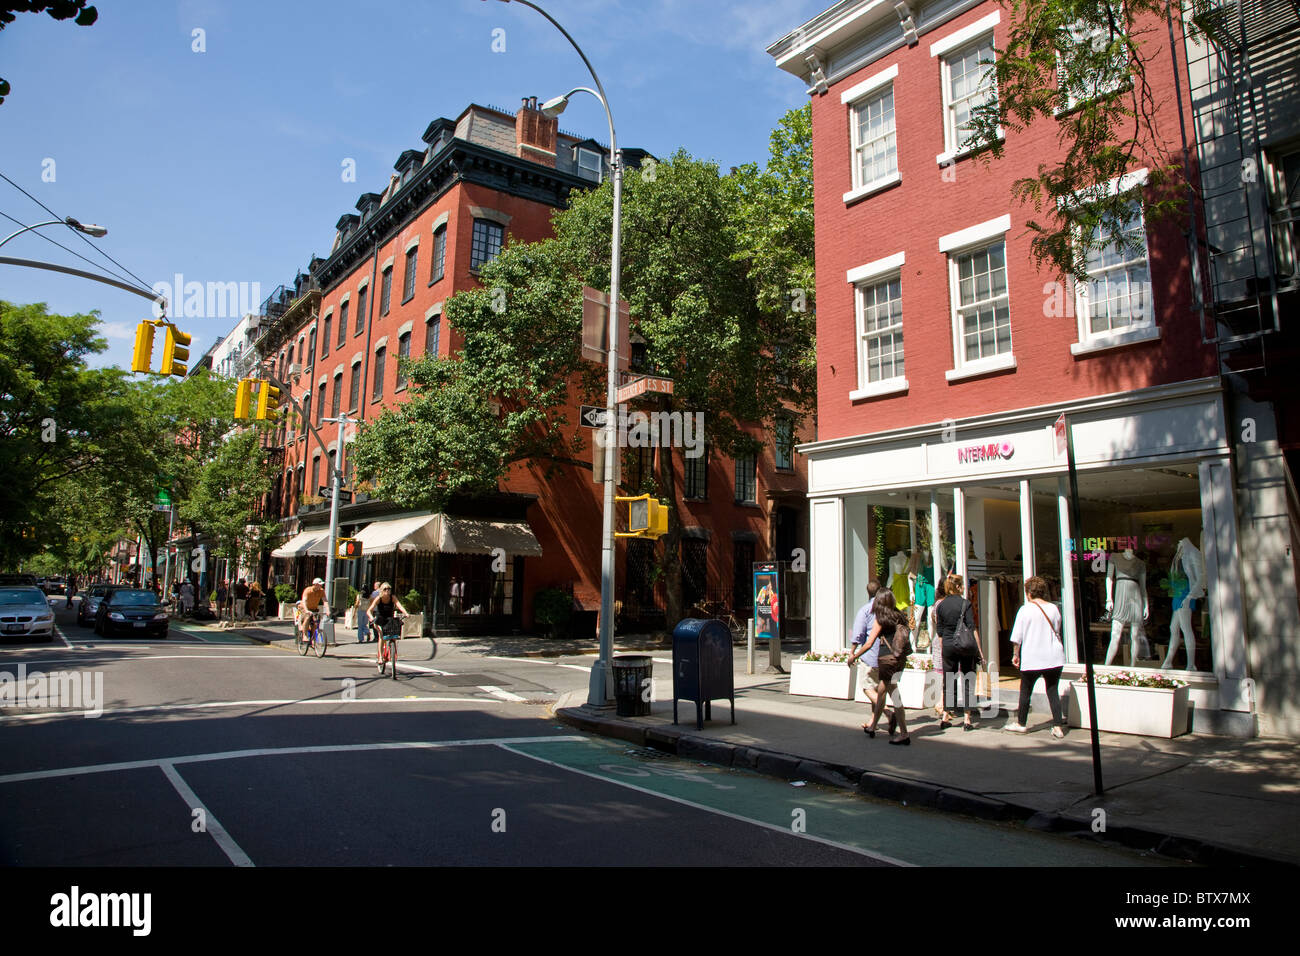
(383, 607)
(313, 601)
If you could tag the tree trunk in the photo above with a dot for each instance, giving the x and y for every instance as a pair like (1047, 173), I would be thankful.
(671, 562)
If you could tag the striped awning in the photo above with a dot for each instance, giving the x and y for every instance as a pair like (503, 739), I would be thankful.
(474, 536)
(301, 543)
(414, 533)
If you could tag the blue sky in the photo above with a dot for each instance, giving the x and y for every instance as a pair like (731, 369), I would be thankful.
(226, 165)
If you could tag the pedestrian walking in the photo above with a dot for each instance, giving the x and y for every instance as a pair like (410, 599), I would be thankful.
(254, 602)
(1039, 652)
(892, 632)
(863, 622)
(955, 623)
(72, 588)
(187, 598)
(223, 595)
(241, 600)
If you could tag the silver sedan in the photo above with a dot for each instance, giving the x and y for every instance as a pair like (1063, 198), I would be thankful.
(25, 612)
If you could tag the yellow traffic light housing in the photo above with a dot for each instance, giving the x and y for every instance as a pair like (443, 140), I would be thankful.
(244, 398)
(647, 517)
(176, 351)
(143, 354)
(268, 401)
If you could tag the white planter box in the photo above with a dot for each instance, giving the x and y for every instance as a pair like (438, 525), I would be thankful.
(910, 689)
(1150, 711)
(286, 612)
(413, 626)
(823, 679)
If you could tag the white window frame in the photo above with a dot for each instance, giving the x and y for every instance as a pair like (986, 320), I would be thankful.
(956, 245)
(1088, 341)
(862, 278)
(1068, 100)
(856, 98)
(979, 32)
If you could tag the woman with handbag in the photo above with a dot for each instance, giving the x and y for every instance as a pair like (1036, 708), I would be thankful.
(891, 630)
(955, 624)
(1039, 653)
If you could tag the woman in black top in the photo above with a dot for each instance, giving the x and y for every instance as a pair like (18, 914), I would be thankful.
(952, 609)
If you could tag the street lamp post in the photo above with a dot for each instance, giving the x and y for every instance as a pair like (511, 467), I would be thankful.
(600, 689)
(89, 229)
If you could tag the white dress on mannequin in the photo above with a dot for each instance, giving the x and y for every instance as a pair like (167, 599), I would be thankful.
(1187, 572)
(1126, 599)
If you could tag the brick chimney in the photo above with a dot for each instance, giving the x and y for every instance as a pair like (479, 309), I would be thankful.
(535, 133)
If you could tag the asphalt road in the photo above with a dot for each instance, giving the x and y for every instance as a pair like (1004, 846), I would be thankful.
(212, 750)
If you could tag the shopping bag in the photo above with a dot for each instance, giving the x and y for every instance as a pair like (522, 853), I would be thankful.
(983, 684)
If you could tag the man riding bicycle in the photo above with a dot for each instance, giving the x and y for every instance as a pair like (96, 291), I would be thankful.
(312, 603)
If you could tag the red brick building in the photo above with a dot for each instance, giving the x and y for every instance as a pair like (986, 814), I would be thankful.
(945, 355)
(484, 178)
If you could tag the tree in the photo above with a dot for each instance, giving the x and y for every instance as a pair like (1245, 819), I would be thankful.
(707, 269)
(58, 9)
(223, 501)
(1083, 65)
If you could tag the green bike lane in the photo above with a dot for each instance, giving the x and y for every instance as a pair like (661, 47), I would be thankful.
(892, 833)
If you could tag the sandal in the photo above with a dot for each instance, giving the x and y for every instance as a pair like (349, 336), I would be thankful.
(869, 731)
(901, 741)
(893, 724)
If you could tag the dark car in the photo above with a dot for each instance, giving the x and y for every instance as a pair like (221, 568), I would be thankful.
(18, 580)
(88, 607)
(131, 611)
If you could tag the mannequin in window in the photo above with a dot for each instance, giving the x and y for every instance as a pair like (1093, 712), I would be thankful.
(898, 580)
(1187, 578)
(1126, 599)
(920, 579)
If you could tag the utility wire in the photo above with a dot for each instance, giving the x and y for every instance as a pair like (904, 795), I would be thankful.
(92, 262)
(142, 283)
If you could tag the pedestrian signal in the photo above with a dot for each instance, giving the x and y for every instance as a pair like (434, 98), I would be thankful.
(647, 517)
(349, 548)
(268, 401)
(143, 353)
(176, 351)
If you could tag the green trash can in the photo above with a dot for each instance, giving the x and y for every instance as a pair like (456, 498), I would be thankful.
(632, 683)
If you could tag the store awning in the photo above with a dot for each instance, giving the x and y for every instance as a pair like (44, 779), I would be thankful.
(301, 543)
(419, 533)
(472, 536)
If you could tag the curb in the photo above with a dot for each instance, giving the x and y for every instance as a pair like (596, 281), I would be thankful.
(906, 791)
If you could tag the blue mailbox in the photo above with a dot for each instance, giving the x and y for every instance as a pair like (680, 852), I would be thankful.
(702, 667)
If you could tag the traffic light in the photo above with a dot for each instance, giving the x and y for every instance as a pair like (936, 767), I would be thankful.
(143, 353)
(349, 548)
(176, 350)
(268, 401)
(244, 397)
(646, 518)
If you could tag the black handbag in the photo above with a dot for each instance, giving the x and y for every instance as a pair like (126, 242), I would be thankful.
(963, 638)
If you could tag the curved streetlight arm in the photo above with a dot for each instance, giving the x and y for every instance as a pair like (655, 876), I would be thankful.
(90, 230)
(81, 273)
(13, 235)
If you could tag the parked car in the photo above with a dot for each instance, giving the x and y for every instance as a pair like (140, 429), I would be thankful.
(88, 607)
(18, 580)
(133, 611)
(25, 612)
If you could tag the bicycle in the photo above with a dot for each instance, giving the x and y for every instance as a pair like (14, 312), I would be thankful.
(390, 634)
(720, 611)
(310, 636)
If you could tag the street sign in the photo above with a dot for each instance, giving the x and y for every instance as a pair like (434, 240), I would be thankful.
(1058, 430)
(160, 507)
(595, 327)
(647, 383)
(593, 416)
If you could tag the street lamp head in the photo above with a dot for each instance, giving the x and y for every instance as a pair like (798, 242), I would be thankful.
(555, 106)
(88, 228)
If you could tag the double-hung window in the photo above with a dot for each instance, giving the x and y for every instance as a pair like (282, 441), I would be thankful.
(325, 336)
(343, 324)
(486, 243)
(747, 479)
(337, 400)
(363, 300)
(320, 404)
(408, 282)
(386, 291)
(432, 330)
(873, 133)
(403, 352)
(438, 260)
(878, 295)
(981, 308)
(695, 475)
(354, 388)
(1093, 62)
(967, 71)
(783, 445)
(378, 391)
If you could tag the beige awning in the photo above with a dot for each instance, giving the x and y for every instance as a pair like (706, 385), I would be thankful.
(300, 544)
(418, 533)
(473, 536)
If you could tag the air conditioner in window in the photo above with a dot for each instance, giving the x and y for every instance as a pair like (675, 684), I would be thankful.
(293, 370)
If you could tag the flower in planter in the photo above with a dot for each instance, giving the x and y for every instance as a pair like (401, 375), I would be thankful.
(1130, 679)
(838, 657)
(920, 663)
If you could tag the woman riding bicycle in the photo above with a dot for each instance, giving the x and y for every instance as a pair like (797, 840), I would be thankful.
(383, 608)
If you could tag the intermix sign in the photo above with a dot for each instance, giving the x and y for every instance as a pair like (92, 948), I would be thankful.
(989, 451)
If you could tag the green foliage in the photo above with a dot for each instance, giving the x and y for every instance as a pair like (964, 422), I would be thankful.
(881, 557)
(1083, 66)
(552, 609)
(284, 594)
(413, 602)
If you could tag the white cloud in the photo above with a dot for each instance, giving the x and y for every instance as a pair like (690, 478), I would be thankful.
(117, 330)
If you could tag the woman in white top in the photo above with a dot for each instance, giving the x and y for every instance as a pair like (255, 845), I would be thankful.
(1039, 653)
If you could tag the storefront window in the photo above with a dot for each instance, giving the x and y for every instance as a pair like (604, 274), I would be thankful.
(1145, 582)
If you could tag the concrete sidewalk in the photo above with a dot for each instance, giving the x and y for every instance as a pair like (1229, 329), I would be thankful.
(1215, 800)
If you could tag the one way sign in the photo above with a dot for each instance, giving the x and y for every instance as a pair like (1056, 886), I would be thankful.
(593, 416)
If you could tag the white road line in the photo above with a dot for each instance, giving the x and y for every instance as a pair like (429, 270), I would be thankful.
(707, 809)
(662, 660)
(533, 660)
(576, 667)
(502, 694)
(279, 752)
(210, 705)
(59, 631)
(154, 657)
(211, 823)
